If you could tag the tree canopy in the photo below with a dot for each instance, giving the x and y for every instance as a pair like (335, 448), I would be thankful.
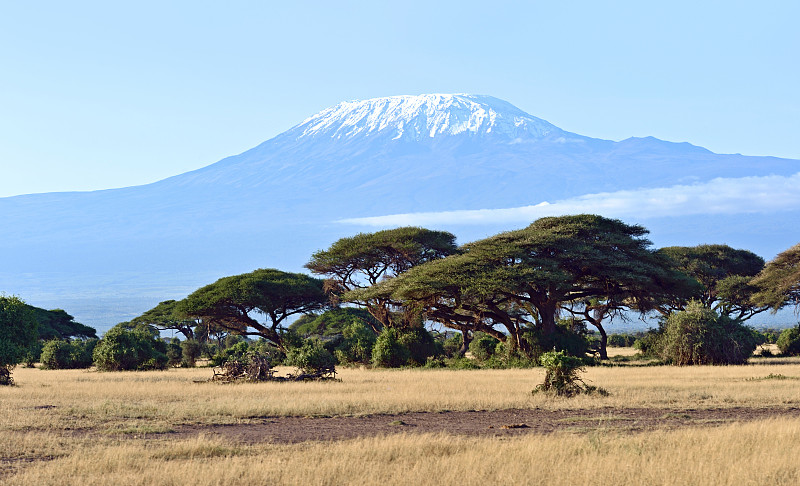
(57, 324)
(230, 302)
(365, 259)
(779, 282)
(165, 316)
(724, 276)
(17, 334)
(520, 279)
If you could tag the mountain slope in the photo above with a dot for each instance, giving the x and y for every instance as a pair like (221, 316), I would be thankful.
(275, 204)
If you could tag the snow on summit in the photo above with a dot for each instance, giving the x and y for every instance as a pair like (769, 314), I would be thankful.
(425, 116)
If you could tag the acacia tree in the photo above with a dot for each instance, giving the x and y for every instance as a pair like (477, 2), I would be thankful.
(363, 260)
(230, 302)
(724, 276)
(165, 316)
(778, 283)
(521, 279)
(17, 334)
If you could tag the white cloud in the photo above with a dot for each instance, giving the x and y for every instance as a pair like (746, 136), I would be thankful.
(718, 196)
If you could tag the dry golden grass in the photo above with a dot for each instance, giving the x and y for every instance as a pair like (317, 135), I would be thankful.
(763, 452)
(40, 417)
(134, 402)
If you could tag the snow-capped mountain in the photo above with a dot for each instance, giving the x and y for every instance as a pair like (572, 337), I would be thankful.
(106, 256)
(425, 116)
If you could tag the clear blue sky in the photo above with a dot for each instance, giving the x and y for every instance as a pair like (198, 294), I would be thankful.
(107, 94)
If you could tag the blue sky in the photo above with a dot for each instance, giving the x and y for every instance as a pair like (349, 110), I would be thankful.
(107, 94)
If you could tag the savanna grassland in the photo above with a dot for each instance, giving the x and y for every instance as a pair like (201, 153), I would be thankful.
(658, 425)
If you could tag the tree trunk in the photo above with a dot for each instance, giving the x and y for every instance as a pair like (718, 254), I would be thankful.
(547, 313)
(603, 341)
(466, 338)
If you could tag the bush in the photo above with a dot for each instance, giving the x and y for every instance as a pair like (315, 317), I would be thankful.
(452, 345)
(420, 345)
(789, 341)
(357, 343)
(240, 350)
(130, 349)
(174, 352)
(60, 354)
(571, 336)
(190, 351)
(483, 346)
(621, 340)
(561, 375)
(388, 351)
(311, 357)
(698, 335)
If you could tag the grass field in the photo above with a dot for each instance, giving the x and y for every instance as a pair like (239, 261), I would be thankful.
(82, 427)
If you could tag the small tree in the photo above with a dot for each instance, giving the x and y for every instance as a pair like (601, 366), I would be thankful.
(17, 335)
(789, 341)
(130, 349)
(698, 335)
(60, 354)
(389, 352)
(562, 375)
(312, 358)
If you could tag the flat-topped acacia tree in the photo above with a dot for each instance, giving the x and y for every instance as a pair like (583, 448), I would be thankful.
(231, 302)
(165, 316)
(778, 283)
(363, 260)
(723, 275)
(521, 279)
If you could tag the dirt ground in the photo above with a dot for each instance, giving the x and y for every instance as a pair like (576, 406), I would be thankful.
(498, 423)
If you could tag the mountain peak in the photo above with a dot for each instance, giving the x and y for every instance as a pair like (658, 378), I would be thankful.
(424, 116)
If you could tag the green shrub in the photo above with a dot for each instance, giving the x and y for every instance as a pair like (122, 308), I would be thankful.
(452, 345)
(60, 354)
(483, 346)
(789, 341)
(174, 352)
(570, 336)
(333, 322)
(648, 344)
(562, 375)
(311, 357)
(698, 335)
(420, 344)
(621, 340)
(388, 351)
(130, 349)
(190, 351)
(357, 343)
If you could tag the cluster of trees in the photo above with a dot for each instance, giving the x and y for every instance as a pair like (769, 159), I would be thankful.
(517, 294)
(26, 332)
(531, 290)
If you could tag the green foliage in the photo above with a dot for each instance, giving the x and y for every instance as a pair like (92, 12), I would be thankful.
(789, 341)
(363, 260)
(60, 354)
(190, 351)
(648, 344)
(17, 334)
(174, 352)
(779, 283)
(452, 345)
(311, 357)
(57, 324)
(333, 322)
(356, 347)
(240, 349)
(562, 375)
(483, 346)
(698, 335)
(621, 340)
(570, 336)
(388, 351)
(420, 344)
(723, 276)
(130, 349)
(166, 316)
(230, 301)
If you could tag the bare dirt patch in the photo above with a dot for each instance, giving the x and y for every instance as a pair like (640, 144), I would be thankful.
(495, 423)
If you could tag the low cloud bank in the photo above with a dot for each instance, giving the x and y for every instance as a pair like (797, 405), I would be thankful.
(718, 196)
